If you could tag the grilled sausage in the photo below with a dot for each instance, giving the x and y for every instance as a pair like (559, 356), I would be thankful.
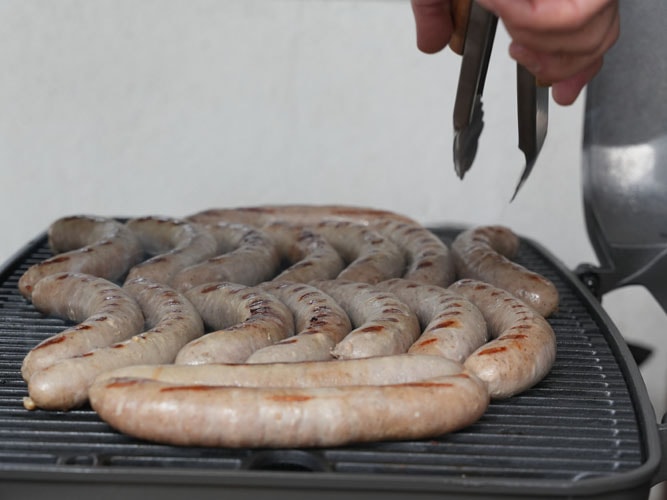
(172, 322)
(297, 214)
(104, 312)
(383, 325)
(85, 244)
(174, 245)
(245, 319)
(217, 415)
(370, 256)
(309, 256)
(320, 324)
(379, 370)
(524, 346)
(451, 325)
(484, 254)
(428, 258)
(249, 257)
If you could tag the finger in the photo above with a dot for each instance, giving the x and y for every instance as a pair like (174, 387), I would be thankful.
(547, 15)
(433, 21)
(566, 92)
(588, 39)
(555, 67)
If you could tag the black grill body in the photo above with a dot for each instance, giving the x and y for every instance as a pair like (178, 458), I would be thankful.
(586, 431)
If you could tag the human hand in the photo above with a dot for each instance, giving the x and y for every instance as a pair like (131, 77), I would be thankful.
(562, 42)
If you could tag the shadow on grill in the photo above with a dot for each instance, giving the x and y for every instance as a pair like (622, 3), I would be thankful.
(292, 460)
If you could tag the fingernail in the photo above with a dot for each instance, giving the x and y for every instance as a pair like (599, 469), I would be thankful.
(525, 57)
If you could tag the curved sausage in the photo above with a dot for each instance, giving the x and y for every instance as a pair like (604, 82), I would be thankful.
(452, 326)
(524, 349)
(370, 256)
(105, 314)
(173, 243)
(85, 244)
(309, 256)
(297, 214)
(172, 322)
(380, 370)
(484, 254)
(216, 415)
(320, 324)
(245, 319)
(383, 325)
(250, 257)
(429, 260)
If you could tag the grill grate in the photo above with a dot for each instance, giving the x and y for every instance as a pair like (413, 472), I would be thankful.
(580, 422)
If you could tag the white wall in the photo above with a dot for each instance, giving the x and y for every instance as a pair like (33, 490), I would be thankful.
(137, 107)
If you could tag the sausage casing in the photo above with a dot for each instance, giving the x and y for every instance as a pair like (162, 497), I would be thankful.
(216, 415)
(524, 346)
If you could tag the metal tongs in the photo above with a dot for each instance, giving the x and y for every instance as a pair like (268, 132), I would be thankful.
(474, 32)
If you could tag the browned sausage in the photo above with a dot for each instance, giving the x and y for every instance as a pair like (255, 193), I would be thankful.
(248, 257)
(428, 258)
(297, 214)
(452, 326)
(217, 415)
(383, 325)
(309, 256)
(484, 254)
(85, 244)
(379, 370)
(320, 324)
(245, 319)
(524, 348)
(370, 256)
(173, 243)
(172, 322)
(105, 314)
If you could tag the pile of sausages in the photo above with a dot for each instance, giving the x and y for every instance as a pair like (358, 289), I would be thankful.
(284, 326)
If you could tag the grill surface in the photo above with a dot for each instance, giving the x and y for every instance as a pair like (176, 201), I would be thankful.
(581, 423)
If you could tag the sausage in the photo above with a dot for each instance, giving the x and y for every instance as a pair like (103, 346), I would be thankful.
(297, 214)
(173, 243)
(217, 415)
(379, 370)
(451, 325)
(245, 319)
(85, 244)
(105, 314)
(524, 346)
(428, 258)
(370, 256)
(320, 324)
(248, 257)
(172, 322)
(484, 254)
(383, 325)
(309, 256)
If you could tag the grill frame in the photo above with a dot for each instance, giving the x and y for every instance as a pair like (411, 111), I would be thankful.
(86, 474)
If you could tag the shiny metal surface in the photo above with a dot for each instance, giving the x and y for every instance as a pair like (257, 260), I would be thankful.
(533, 119)
(468, 113)
(625, 154)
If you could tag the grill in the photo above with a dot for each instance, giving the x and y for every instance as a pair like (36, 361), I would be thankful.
(587, 430)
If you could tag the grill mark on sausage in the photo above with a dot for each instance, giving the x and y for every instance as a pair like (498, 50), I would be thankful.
(171, 321)
(451, 325)
(524, 345)
(244, 319)
(85, 244)
(485, 253)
